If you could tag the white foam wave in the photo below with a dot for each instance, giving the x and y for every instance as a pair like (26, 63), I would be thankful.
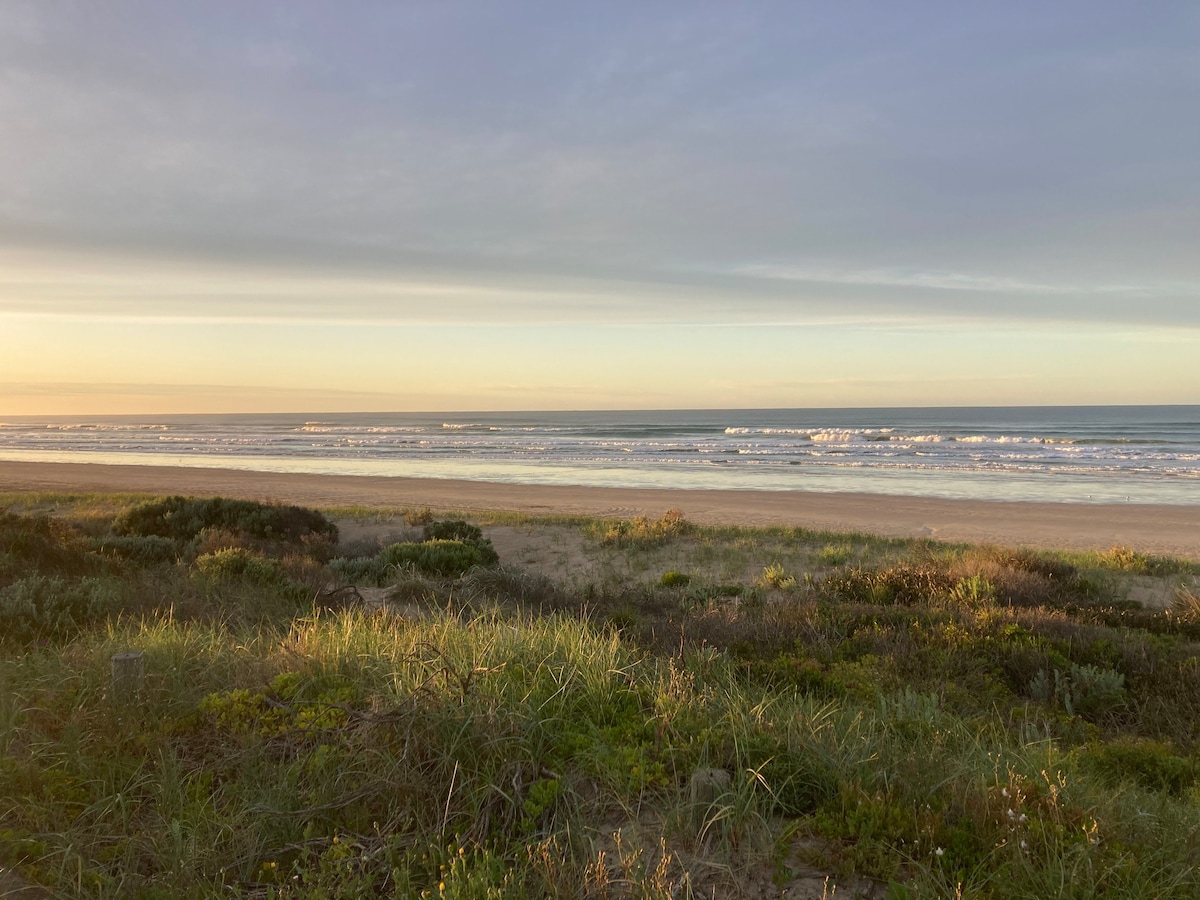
(97, 426)
(741, 430)
(836, 437)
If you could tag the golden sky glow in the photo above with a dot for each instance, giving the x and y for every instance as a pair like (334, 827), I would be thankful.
(228, 207)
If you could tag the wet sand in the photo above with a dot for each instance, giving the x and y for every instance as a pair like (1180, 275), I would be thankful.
(1160, 529)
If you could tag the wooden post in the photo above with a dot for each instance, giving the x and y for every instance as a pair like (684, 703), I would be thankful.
(705, 788)
(128, 674)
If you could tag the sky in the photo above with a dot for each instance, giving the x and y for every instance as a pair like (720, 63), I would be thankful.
(224, 206)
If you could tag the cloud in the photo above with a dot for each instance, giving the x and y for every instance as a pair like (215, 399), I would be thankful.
(515, 164)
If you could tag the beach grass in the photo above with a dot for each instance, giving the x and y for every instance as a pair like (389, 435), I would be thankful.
(649, 709)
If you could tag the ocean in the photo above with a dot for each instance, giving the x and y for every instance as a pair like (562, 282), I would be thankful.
(1079, 454)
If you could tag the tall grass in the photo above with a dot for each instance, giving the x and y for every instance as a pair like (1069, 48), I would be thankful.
(868, 713)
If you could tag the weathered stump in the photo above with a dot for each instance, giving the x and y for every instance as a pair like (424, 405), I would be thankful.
(705, 788)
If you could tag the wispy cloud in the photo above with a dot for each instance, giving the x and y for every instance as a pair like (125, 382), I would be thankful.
(60, 284)
(953, 281)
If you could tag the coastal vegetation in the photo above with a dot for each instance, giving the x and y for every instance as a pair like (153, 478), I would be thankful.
(434, 704)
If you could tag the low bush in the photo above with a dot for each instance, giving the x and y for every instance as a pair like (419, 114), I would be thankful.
(1083, 690)
(43, 607)
(184, 518)
(453, 530)
(1025, 560)
(1154, 765)
(645, 531)
(1126, 559)
(446, 559)
(450, 549)
(41, 544)
(903, 584)
(673, 578)
(360, 570)
(141, 551)
(835, 554)
(512, 586)
(775, 576)
(239, 563)
(974, 590)
(459, 530)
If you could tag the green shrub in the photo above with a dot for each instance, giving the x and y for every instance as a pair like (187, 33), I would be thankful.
(834, 554)
(446, 559)
(46, 607)
(1126, 559)
(439, 557)
(775, 576)
(975, 590)
(675, 579)
(41, 544)
(141, 550)
(645, 531)
(183, 518)
(359, 570)
(459, 530)
(1084, 690)
(514, 586)
(800, 782)
(419, 516)
(454, 530)
(1035, 564)
(905, 584)
(1151, 764)
(294, 702)
(242, 564)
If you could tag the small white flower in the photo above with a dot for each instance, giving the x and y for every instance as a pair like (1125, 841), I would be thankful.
(1023, 818)
(940, 852)
(1011, 814)
(1024, 846)
(1003, 792)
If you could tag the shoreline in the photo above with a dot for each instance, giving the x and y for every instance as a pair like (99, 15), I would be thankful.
(1166, 530)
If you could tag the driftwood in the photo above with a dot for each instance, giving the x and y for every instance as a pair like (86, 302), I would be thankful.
(332, 599)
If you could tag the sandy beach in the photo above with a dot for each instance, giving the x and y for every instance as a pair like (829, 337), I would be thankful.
(1168, 530)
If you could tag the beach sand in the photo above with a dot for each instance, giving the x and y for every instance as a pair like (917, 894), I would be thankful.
(1166, 530)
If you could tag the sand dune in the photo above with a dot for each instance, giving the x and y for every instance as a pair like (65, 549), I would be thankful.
(1169, 530)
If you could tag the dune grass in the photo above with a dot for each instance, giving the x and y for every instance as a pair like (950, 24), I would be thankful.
(787, 711)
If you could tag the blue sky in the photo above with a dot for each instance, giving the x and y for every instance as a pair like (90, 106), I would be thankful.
(318, 206)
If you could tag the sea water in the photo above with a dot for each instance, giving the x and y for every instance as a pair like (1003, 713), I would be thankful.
(1137, 454)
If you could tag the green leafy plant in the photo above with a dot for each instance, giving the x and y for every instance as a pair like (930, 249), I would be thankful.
(834, 554)
(905, 584)
(41, 544)
(973, 590)
(183, 518)
(775, 576)
(465, 532)
(240, 564)
(1084, 690)
(41, 606)
(142, 551)
(673, 579)
(446, 559)
(1155, 765)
